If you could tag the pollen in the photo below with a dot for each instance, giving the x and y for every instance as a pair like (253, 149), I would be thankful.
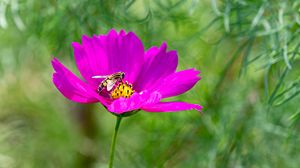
(122, 90)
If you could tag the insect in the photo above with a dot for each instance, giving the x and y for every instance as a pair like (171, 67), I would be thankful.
(109, 81)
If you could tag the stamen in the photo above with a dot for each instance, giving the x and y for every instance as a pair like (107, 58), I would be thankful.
(122, 90)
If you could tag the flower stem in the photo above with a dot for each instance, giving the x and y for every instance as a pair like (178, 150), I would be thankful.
(113, 143)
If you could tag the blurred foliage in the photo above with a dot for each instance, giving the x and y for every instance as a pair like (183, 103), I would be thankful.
(247, 51)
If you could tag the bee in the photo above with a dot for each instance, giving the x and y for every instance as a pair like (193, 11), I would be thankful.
(109, 81)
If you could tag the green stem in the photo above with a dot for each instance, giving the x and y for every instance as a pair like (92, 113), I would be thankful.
(113, 143)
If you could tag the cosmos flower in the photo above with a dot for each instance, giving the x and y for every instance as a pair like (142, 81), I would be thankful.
(150, 76)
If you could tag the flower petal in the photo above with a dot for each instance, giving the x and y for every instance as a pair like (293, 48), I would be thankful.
(158, 64)
(108, 54)
(135, 102)
(72, 87)
(177, 83)
(171, 107)
(89, 60)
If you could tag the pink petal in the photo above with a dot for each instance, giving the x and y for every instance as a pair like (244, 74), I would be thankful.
(88, 61)
(158, 64)
(177, 83)
(171, 107)
(71, 86)
(135, 102)
(107, 54)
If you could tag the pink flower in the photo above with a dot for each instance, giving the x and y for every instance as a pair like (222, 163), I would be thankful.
(152, 75)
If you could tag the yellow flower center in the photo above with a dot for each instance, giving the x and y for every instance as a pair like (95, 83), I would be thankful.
(122, 90)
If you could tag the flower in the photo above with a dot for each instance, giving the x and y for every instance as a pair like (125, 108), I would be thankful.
(150, 76)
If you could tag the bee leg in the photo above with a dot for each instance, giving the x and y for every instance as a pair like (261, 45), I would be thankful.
(99, 89)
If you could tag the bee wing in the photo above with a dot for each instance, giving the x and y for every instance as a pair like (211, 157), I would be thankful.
(99, 76)
(110, 84)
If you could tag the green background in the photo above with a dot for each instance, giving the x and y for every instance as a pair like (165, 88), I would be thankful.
(248, 55)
